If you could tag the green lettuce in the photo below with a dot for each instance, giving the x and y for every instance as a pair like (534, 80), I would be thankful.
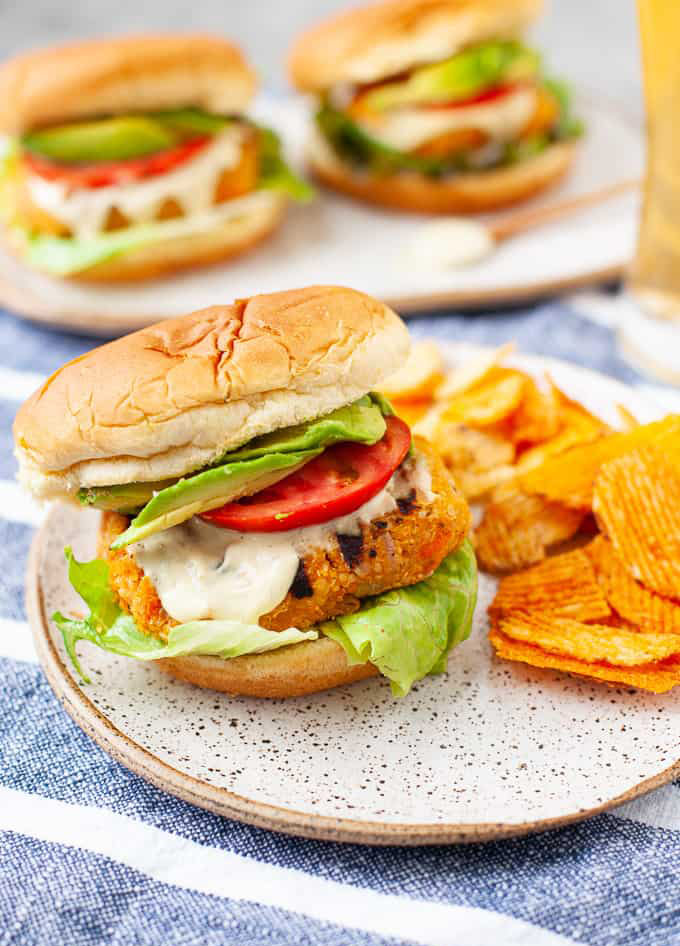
(275, 174)
(113, 629)
(363, 421)
(408, 633)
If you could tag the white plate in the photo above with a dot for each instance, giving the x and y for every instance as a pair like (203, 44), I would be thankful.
(488, 750)
(337, 240)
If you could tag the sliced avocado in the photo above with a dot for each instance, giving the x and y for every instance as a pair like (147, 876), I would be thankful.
(210, 489)
(361, 422)
(458, 78)
(109, 139)
(126, 498)
(192, 121)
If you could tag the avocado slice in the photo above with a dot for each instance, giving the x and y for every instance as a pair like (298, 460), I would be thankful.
(459, 78)
(126, 498)
(210, 489)
(192, 121)
(109, 139)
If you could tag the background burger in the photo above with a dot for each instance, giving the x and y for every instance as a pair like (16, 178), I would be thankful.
(131, 157)
(434, 105)
(268, 525)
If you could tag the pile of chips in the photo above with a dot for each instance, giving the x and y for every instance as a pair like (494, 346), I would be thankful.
(546, 470)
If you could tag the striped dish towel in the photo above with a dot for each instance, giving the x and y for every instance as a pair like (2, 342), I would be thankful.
(91, 854)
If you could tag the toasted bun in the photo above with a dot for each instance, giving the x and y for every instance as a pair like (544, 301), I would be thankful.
(469, 192)
(228, 238)
(291, 671)
(175, 396)
(383, 39)
(124, 74)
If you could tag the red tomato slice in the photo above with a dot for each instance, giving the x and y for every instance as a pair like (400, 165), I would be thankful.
(335, 483)
(488, 95)
(108, 173)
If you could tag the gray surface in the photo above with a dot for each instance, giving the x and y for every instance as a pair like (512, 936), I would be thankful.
(593, 42)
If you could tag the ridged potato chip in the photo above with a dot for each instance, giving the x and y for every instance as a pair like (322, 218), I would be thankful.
(488, 403)
(564, 585)
(569, 477)
(631, 600)
(657, 678)
(516, 531)
(419, 376)
(636, 501)
(592, 643)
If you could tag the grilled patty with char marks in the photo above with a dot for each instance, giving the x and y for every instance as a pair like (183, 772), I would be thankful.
(398, 549)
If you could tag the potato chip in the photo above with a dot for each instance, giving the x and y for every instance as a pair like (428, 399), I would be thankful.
(472, 371)
(637, 503)
(576, 428)
(411, 411)
(419, 376)
(516, 531)
(591, 643)
(563, 584)
(631, 600)
(471, 449)
(628, 421)
(538, 416)
(476, 484)
(569, 477)
(488, 403)
(657, 678)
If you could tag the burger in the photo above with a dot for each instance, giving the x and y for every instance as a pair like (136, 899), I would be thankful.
(268, 526)
(130, 157)
(434, 105)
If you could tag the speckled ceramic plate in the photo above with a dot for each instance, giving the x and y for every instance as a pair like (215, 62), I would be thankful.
(489, 750)
(329, 238)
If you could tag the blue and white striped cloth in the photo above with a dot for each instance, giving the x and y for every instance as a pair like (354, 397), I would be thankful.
(91, 854)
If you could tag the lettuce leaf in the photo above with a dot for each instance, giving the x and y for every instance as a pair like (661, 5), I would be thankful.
(274, 173)
(113, 629)
(408, 633)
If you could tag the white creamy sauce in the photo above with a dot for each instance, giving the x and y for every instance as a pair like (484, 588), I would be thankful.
(409, 127)
(202, 572)
(452, 242)
(85, 211)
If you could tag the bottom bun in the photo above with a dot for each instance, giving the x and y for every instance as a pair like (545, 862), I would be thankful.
(468, 192)
(292, 671)
(229, 237)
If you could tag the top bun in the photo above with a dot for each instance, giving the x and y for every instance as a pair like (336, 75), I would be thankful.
(175, 396)
(125, 74)
(383, 39)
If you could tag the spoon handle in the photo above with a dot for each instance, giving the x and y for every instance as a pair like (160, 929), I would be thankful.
(526, 219)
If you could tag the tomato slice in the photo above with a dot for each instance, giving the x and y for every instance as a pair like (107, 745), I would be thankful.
(335, 483)
(481, 98)
(108, 173)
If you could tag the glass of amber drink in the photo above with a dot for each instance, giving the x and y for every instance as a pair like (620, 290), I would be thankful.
(650, 330)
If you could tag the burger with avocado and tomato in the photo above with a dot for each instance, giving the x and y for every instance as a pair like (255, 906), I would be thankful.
(268, 526)
(130, 157)
(434, 105)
